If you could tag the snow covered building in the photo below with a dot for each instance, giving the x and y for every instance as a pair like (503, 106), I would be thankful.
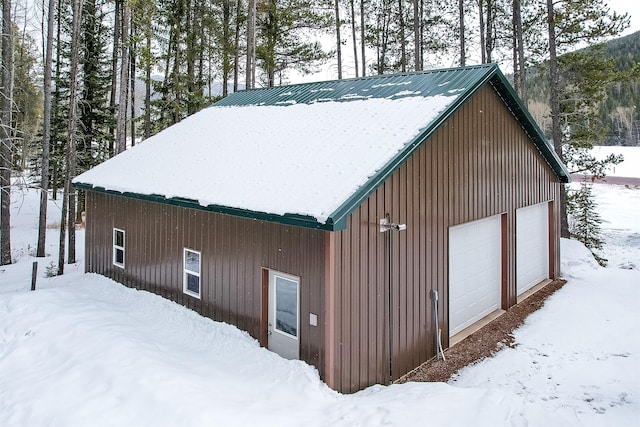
(321, 217)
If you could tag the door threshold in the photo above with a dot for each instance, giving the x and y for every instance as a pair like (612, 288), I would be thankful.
(526, 294)
(475, 327)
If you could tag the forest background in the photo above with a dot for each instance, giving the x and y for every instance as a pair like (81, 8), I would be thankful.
(83, 80)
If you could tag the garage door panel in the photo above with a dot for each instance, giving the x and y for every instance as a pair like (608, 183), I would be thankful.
(532, 246)
(474, 272)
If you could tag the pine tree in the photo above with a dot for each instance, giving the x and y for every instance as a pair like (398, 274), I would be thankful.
(570, 23)
(281, 43)
(585, 220)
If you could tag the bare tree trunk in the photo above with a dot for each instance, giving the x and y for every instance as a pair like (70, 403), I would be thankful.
(121, 124)
(463, 49)
(489, 31)
(554, 100)
(57, 169)
(73, 126)
(417, 50)
(236, 47)
(251, 45)
(421, 34)
(5, 135)
(147, 93)
(403, 41)
(483, 57)
(519, 66)
(363, 45)
(132, 80)
(114, 66)
(336, 5)
(46, 131)
(63, 231)
(226, 54)
(353, 36)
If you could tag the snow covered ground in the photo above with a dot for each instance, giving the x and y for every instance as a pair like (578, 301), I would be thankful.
(83, 350)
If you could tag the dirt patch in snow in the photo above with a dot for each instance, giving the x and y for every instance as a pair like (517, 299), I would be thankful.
(482, 343)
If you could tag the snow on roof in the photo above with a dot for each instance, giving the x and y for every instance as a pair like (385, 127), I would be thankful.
(303, 159)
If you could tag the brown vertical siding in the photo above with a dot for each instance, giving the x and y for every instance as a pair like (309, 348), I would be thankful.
(480, 163)
(234, 252)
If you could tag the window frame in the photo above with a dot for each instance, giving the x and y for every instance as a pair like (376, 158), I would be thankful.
(117, 247)
(186, 272)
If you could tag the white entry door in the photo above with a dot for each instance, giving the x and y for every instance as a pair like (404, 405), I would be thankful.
(475, 272)
(284, 315)
(532, 246)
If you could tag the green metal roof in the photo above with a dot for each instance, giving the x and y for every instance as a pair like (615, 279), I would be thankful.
(428, 83)
(462, 82)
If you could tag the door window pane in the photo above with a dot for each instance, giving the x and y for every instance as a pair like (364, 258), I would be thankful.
(286, 305)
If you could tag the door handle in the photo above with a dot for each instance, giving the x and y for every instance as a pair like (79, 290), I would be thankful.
(270, 329)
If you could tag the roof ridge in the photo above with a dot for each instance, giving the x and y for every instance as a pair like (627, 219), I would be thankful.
(376, 77)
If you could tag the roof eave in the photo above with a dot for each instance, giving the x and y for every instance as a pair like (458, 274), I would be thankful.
(286, 219)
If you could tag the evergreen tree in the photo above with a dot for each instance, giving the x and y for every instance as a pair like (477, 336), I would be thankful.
(96, 119)
(27, 103)
(281, 40)
(584, 220)
(570, 23)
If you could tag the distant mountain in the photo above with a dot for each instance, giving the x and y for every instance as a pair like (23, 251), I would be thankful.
(621, 109)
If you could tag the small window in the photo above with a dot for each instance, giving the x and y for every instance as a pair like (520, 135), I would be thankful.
(118, 248)
(191, 278)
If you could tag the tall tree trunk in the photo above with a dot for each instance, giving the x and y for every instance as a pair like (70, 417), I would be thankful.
(483, 57)
(463, 49)
(73, 126)
(519, 66)
(114, 66)
(132, 80)
(363, 44)
(147, 92)
(63, 231)
(554, 100)
(417, 50)
(46, 131)
(353, 36)
(226, 48)
(57, 169)
(403, 41)
(5, 135)
(121, 124)
(251, 45)
(489, 31)
(336, 5)
(236, 47)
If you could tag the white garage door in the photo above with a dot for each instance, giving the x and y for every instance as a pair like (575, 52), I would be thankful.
(474, 272)
(532, 246)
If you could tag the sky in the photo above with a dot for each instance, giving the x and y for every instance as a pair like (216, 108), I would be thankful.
(632, 7)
